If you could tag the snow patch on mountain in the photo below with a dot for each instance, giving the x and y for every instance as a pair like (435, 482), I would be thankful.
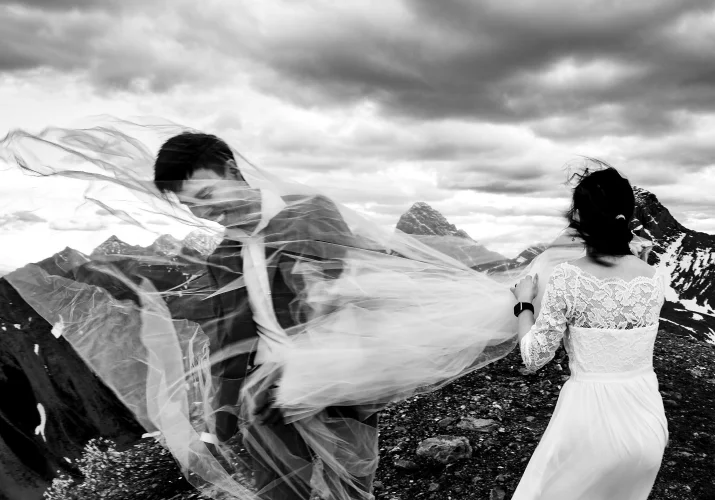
(692, 306)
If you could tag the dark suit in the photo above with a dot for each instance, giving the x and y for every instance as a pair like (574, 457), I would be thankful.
(309, 228)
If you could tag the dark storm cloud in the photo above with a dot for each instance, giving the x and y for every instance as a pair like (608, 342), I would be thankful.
(499, 178)
(498, 183)
(404, 142)
(463, 156)
(620, 69)
(118, 45)
(27, 43)
(689, 153)
(54, 5)
(505, 62)
(608, 120)
(498, 186)
(562, 72)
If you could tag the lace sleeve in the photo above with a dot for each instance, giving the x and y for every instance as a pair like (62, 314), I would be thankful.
(540, 343)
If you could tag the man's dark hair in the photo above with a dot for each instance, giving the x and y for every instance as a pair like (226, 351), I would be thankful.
(183, 154)
(602, 209)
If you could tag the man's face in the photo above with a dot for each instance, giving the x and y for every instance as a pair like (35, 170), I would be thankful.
(226, 199)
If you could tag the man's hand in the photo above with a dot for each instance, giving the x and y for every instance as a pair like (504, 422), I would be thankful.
(266, 411)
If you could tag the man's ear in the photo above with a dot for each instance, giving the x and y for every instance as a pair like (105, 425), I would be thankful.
(232, 171)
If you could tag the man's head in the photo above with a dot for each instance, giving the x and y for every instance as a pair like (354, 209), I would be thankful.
(201, 169)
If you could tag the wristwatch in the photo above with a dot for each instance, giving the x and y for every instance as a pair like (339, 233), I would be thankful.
(521, 307)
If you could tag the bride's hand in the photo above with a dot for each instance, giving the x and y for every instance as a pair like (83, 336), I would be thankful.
(526, 289)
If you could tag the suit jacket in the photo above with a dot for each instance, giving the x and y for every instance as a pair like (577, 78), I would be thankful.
(308, 228)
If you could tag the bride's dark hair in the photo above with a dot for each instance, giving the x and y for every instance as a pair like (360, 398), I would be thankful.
(602, 208)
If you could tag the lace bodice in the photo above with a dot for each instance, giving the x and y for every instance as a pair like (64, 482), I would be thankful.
(607, 324)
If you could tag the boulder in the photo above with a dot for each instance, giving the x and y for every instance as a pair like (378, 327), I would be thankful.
(445, 449)
(477, 424)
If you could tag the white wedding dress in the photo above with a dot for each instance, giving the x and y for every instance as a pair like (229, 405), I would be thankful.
(608, 432)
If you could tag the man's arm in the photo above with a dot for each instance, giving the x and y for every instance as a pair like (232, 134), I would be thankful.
(233, 325)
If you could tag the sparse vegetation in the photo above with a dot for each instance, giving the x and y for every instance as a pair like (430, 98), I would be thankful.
(145, 471)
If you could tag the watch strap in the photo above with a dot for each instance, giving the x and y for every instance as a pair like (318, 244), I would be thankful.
(523, 306)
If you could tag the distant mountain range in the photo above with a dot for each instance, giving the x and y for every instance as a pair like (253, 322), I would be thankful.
(688, 256)
(194, 244)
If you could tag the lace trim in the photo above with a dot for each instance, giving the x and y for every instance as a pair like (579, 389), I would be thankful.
(615, 279)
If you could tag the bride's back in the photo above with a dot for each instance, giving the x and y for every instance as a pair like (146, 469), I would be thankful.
(612, 320)
(621, 299)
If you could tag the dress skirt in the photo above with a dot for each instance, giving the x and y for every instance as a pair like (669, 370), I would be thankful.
(605, 440)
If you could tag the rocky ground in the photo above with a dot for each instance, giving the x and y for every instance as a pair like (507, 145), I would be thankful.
(498, 412)
(520, 407)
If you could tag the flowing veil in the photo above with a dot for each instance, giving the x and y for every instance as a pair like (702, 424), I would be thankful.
(370, 316)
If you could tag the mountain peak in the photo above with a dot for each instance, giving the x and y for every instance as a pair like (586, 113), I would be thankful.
(434, 230)
(651, 218)
(166, 245)
(645, 197)
(423, 220)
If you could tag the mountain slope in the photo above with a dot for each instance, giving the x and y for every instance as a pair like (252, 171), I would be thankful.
(689, 258)
(421, 219)
(57, 403)
(434, 230)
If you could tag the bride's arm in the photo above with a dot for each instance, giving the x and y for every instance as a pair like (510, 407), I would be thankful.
(539, 340)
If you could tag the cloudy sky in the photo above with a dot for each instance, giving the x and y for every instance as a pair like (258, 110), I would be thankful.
(474, 106)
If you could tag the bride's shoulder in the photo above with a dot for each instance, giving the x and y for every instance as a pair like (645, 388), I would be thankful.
(569, 267)
(564, 270)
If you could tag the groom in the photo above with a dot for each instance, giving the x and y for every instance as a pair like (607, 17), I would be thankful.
(201, 170)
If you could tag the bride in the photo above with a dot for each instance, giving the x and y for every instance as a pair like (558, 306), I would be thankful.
(607, 435)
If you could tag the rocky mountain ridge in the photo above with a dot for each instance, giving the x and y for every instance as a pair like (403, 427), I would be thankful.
(689, 258)
(433, 229)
